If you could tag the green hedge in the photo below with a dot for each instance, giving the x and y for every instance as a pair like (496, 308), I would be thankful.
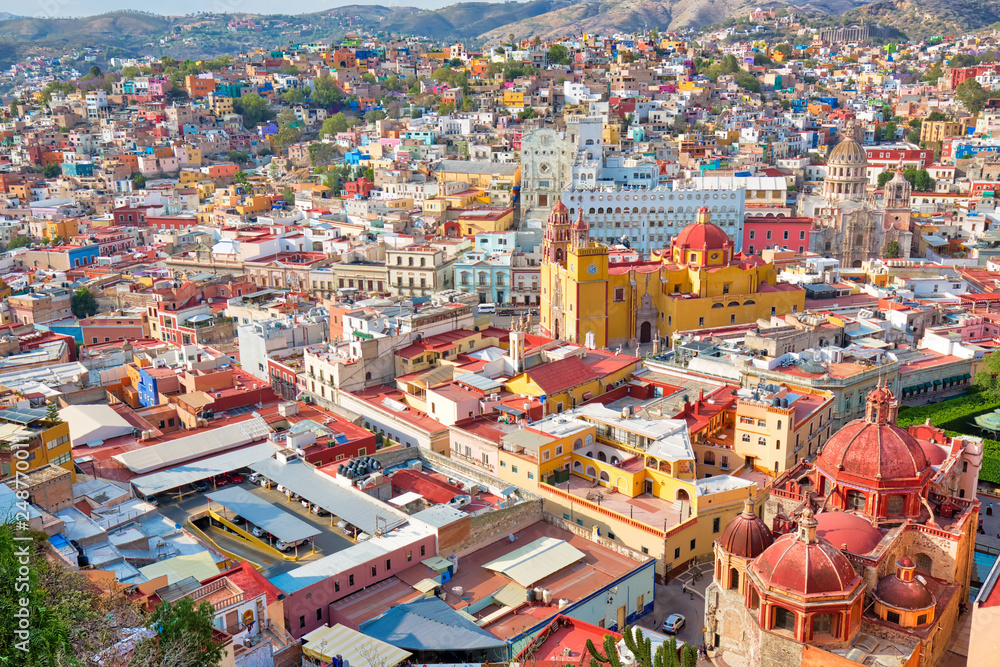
(956, 417)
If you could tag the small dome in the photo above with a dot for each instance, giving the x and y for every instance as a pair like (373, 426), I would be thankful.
(804, 564)
(848, 153)
(901, 590)
(560, 207)
(746, 535)
(851, 530)
(935, 453)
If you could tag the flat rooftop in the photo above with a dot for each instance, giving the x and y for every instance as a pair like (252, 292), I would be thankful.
(598, 567)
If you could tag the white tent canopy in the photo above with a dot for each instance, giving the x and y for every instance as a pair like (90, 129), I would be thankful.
(92, 424)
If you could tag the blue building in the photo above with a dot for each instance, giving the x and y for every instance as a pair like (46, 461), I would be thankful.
(83, 255)
(489, 276)
(78, 169)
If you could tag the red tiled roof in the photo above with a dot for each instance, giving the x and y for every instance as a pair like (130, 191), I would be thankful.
(557, 376)
(432, 489)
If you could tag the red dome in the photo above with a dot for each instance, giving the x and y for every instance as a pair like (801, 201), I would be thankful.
(803, 564)
(935, 454)
(560, 207)
(901, 590)
(852, 530)
(874, 448)
(703, 236)
(873, 451)
(746, 535)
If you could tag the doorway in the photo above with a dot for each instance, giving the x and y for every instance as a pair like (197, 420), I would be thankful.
(621, 618)
(645, 332)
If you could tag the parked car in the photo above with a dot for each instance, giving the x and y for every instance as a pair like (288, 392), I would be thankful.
(306, 503)
(152, 500)
(281, 489)
(220, 480)
(673, 623)
(235, 478)
(342, 524)
(287, 546)
(237, 519)
(255, 477)
(200, 485)
(363, 536)
(258, 532)
(319, 511)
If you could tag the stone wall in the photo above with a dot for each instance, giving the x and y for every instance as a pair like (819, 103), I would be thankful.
(290, 656)
(617, 547)
(487, 528)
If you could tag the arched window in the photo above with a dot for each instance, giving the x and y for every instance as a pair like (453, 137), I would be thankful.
(577, 465)
(717, 305)
(601, 456)
(856, 501)
(749, 302)
(746, 437)
(733, 304)
(761, 440)
(710, 458)
(589, 440)
(754, 598)
(578, 444)
(823, 625)
(734, 578)
(779, 424)
(923, 562)
(783, 619)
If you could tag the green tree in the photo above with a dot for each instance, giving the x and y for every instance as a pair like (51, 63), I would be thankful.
(375, 114)
(293, 97)
(878, 134)
(933, 74)
(527, 113)
(83, 304)
(138, 181)
(52, 413)
(52, 171)
(368, 77)
(288, 195)
(334, 124)
(254, 109)
(95, 71)
(446, 108)
(785, 49)
(322, 154)
(240, 177)
(130, 72)
(289, 129)
(559, 55)
(884, 178)
(183, 636)
(325, 93)
(988, 377)
(890, 131)
(972, 95)
(19, 242)
(936, 116)
(891, 250)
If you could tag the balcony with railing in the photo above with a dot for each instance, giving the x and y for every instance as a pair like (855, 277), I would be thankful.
(221, 593)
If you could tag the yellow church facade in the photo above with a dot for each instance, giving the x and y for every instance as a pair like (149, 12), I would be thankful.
(696, 283)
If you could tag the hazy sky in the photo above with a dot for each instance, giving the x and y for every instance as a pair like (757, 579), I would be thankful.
(89, 7)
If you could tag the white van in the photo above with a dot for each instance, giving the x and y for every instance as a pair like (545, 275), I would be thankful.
(487, 309)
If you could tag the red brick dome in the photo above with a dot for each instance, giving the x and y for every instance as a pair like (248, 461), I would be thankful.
(874, 448)
(804, 564)
(559, 207)
(851, 530)
(746, 535)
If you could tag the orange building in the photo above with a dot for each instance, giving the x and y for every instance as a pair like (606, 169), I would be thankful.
(198, 86)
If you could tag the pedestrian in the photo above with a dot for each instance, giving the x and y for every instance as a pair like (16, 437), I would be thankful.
(684, 587)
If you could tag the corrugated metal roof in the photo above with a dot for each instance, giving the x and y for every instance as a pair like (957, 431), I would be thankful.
(511, 595)
(158, 482)
(194, 446)
(283, 525)
(429, 624)
(201, 566)
(354, 647)
(425, 585)
(356, 508)
(535, 561)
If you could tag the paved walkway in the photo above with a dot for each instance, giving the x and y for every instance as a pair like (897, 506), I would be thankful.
(682, 596)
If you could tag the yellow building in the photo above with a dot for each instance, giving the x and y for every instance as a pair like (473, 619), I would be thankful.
(939, 130)
(698, 283)
(64, 229)
(629, 479)
(513, 99)
(29, 440)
